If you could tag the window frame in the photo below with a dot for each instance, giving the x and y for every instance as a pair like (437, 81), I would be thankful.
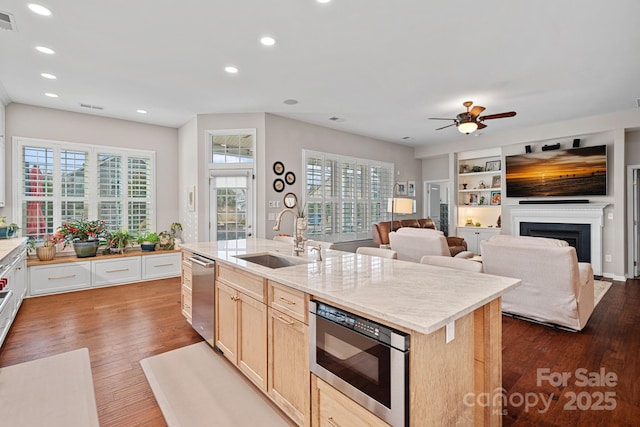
(341, 199)
(93, 198)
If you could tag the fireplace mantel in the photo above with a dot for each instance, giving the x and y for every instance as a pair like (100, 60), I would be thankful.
(569, 213)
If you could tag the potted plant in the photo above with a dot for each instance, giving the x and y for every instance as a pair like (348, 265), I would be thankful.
(118, 241)
(84, 235)
(7, 230)
(168, 239)
(148, 241)
(46, 250)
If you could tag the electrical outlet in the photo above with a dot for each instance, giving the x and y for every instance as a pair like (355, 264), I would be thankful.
(607, 258)
(272, 216)
(272, 204)
(610, 215)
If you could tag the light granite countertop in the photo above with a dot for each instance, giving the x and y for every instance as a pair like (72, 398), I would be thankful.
(8, 245)
(418, 297)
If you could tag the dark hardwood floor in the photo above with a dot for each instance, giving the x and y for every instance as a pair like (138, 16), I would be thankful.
(123, 324)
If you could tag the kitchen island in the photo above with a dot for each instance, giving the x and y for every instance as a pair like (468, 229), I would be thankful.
(453, 319)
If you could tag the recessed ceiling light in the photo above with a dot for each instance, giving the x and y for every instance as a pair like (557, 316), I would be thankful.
(48, 76)
(323, 1)
(290, 101)
(231, 69)
(268, 41)
(51, 95)
(39, 9)
(46, 50)
(142, 111)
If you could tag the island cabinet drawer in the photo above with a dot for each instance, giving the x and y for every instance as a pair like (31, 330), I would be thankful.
(288, 301)
(47, 279)
(161, 266)
(114, 271)
(332, 408)
(249, 284)
(187, 275)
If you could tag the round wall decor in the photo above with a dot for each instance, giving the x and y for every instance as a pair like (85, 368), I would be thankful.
(278, 185)
(278, 168)
(290, 177)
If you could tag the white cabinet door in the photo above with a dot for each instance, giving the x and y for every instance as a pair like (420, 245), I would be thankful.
(114, 271)
(161, 266)
(47, 279)
(474, 235)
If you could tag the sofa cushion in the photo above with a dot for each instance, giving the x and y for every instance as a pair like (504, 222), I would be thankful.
(410, 223)
(528, 241)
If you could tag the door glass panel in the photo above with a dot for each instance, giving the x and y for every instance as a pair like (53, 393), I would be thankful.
(231, 207)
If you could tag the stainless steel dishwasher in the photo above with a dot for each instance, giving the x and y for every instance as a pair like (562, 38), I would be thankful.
(203, 297)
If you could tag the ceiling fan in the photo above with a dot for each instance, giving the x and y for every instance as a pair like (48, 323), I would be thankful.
(471, 120)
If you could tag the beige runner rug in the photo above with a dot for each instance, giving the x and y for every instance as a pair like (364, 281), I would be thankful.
(600, 287)
(55, 391)
(196, 387)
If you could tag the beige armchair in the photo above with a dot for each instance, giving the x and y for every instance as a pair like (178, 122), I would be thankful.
(412, 244)
(555, 289)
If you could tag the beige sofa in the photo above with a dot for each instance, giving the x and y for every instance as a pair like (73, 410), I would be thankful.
(381, 232)
(555, 289)
(412, 244)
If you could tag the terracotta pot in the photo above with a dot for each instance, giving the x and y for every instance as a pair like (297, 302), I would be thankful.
(45, 253)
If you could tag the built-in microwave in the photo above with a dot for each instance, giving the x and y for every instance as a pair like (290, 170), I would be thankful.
(363, 359)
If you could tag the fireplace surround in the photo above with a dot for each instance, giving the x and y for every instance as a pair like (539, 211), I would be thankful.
(570, 213)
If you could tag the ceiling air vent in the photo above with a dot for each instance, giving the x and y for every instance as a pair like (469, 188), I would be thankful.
(92, 107)
(6, 21)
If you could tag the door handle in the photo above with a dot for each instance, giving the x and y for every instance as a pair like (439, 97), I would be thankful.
(202, 263)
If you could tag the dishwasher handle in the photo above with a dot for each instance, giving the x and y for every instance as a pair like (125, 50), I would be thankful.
(203, 262)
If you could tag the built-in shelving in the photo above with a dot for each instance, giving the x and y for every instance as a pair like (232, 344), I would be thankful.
(479, 187)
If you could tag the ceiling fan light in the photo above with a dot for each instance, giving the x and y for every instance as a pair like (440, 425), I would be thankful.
(468, 127)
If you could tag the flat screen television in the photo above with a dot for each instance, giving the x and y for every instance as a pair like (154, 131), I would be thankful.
(572, 172)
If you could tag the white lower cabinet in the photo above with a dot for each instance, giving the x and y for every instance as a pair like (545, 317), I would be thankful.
(474, 235)
(74, 275)
(159, 266)
(49, 279)
(114, 271)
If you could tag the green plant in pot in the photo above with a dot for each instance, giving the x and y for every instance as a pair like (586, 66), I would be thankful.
(118, 241)
(84, 235)
(7, 230)
(148, 241)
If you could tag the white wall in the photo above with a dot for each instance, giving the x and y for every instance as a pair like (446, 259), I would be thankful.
(188, 178)
(46, 123)
(286, 138)
(617, 131)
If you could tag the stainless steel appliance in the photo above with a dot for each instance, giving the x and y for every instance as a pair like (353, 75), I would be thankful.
(203, 294)
(365, 360)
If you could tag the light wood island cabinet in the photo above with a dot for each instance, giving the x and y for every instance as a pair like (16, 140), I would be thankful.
(288, 352)
(187, 286)
(262, 327)
(241, 321)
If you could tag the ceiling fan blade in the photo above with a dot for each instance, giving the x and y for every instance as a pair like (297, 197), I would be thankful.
(476, 111)
(481, 125)
(498, 116)
(438, 118)
(448, 126)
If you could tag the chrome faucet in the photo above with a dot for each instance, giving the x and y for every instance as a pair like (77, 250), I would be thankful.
(319, 250)
(298, 239)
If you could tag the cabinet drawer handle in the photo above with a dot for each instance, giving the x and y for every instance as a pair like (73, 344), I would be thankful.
(117, 270)
(61, 277)
(163, 265)
(234, 298)
(285, 320)
(331, 421)
(287, 301)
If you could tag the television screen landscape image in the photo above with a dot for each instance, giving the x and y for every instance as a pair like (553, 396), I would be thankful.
(572, 172)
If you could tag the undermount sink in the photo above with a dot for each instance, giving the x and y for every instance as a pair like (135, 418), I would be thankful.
(271, 261)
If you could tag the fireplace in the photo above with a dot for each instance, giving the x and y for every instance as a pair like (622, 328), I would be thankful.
(577, 235)
(590, 215)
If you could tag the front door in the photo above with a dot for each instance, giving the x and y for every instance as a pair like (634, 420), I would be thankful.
(230, 207)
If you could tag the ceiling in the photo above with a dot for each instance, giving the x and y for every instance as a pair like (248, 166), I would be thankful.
(380, 66)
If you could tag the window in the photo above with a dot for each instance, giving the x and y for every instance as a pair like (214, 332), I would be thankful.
(62, 181)
(345, 196)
